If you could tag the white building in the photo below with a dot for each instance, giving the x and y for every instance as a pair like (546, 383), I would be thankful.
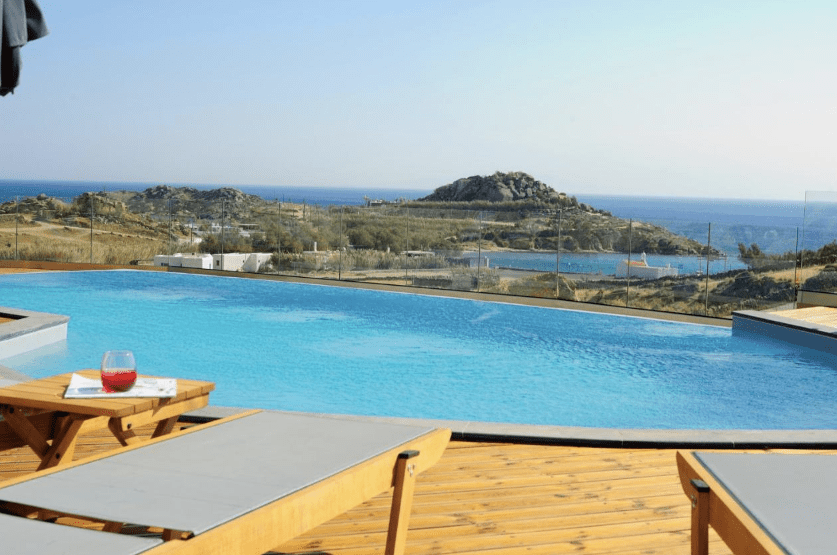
(202, 261)
(256, 261)
(173, 260)
(229, 262)
(641, 270)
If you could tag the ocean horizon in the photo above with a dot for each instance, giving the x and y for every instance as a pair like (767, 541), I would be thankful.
(777, 226)
(10, 189)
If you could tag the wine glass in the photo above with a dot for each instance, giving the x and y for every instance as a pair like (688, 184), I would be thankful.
(119, 371)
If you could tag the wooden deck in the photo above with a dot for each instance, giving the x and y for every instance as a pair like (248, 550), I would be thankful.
(822, 315)
(503, 499)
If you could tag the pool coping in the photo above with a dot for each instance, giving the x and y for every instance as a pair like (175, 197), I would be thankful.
(494, 432)
(812, 335)
(30, 330)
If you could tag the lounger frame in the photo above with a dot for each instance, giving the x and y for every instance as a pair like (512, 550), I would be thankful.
(268, 527)
(713, 505)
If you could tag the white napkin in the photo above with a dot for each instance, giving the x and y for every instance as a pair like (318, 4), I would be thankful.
(87, 388)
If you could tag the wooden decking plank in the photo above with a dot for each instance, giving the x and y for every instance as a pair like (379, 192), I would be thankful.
(596, 472)
(563, 464)
(591, 538)
(425, 526)
(498, 496)
(538, 508)
(503, 499)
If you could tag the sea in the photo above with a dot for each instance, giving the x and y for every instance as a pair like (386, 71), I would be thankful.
(776, 226)
(325, 196)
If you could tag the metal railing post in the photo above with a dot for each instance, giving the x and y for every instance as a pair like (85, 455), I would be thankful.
(92, 215)
(170, 249)
(558, 259)
(340, 247)
(628, 272)
(17, 217)
(279, 233)
(706, 288)
(797, 260)
(406, 244)
(479, 250)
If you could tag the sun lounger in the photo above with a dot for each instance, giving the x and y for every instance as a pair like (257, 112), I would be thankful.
(762, 503)
(244, 485)
(11, 377)
(34, 537)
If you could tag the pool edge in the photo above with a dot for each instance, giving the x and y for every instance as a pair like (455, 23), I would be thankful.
(30, 330)
(586, 437)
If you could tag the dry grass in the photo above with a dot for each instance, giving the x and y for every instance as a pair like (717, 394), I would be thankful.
(52, 242)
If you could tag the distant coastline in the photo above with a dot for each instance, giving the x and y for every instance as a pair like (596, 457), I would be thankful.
(324, 196)
(773, 224)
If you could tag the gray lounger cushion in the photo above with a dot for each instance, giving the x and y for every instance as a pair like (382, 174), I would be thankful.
(203, 479)
(21, 536)
(792, 497)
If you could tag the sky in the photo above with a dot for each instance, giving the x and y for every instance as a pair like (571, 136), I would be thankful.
(669, 98)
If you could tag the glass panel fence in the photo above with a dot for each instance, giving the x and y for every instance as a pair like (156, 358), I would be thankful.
(818, 256)
(763, 269)
(565, 252)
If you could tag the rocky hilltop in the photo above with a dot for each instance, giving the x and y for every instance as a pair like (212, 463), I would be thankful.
(536, 208)
(500, 187)
(191, 202)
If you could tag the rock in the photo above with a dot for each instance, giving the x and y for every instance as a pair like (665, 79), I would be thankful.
(748, 285)
(500, 187)
(824, 281)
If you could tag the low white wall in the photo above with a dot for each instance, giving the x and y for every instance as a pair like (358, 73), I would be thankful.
(25, 342)
(204, 262)
(645, 272)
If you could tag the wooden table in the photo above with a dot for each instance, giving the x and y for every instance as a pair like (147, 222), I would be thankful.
(35, 413)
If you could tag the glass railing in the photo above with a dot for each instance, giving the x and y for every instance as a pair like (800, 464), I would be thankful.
(561, 252)
(818, 256)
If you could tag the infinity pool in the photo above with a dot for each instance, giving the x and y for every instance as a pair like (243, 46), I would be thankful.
(333, 349)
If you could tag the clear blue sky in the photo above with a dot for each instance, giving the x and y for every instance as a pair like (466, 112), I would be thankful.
(716, 99)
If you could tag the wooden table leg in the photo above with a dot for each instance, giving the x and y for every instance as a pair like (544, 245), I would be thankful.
(64, 445)
(123, 432)
(164, 427)
(165, 415)
(25, 430)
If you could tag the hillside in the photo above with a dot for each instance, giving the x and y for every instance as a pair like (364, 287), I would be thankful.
(191, 203)
(535, 207)
(517, 212)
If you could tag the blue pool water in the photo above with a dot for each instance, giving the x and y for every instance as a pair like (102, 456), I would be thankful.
(333, 349)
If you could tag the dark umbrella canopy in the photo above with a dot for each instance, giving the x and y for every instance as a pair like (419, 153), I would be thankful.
(21, 21)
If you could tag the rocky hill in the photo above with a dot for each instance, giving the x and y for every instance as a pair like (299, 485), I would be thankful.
(526, 215)
(500, 187)
(536, 207)
(192, 203)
